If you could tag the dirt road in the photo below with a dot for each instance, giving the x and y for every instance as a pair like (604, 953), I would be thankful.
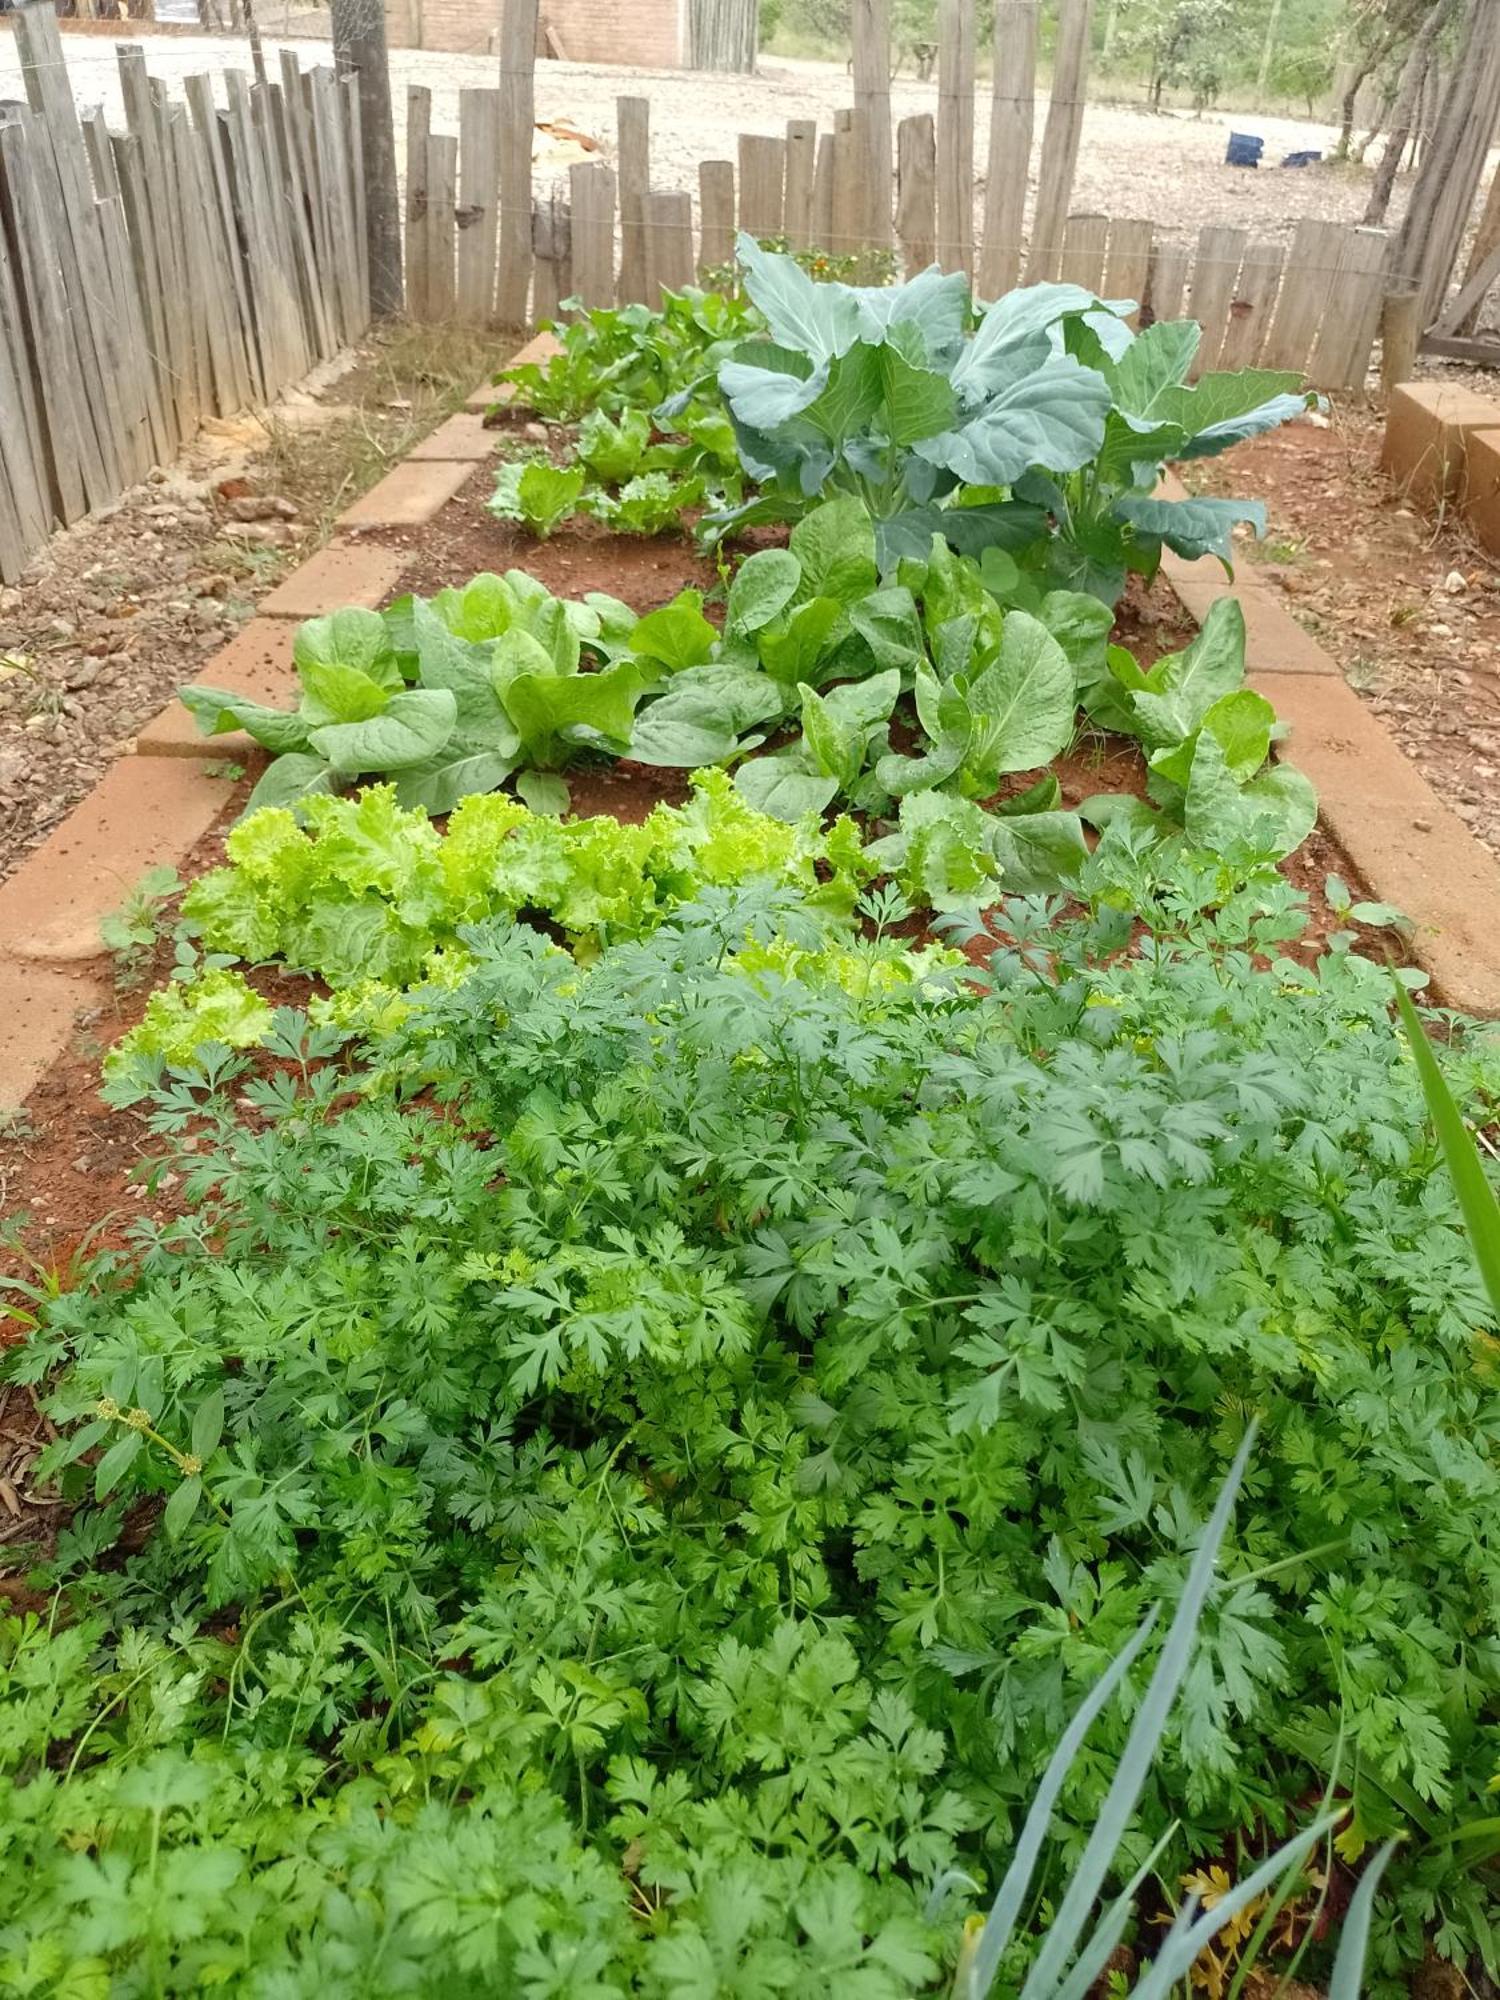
(1168, 168)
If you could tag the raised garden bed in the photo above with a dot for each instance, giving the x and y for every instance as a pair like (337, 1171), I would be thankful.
(858, 1344)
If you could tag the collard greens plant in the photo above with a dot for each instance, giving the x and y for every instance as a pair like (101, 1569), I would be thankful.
(616, 1485)
(1041, 429)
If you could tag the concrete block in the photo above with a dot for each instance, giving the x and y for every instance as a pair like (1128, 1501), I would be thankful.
(256, 663)
(144, 812)
(462, 439)
(408, 496)
(1426, 429)
(39, 1005)
(341, 575)
(1410, 848)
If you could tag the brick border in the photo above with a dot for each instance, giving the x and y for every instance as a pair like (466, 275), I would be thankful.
(154, 804)
(1409, 846)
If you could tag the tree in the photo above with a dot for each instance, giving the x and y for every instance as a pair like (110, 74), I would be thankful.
(1185, 42)
(1404, 111)
(359, 49)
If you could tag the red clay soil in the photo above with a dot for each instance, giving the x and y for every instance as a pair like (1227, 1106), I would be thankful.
(1408, 605)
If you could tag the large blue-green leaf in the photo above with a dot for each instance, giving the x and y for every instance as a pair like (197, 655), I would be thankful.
(338, 691)
(1242, 721)
(412, 728)
(1016, 320)
(1191, 528)
(1153, 365)
(1219, 436)
(934, 305)
(1050, 416)
(467, 670)
(767, 386)
(819, 320)
(1006, 524)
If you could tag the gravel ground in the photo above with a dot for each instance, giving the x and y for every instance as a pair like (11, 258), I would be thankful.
(1169, 167)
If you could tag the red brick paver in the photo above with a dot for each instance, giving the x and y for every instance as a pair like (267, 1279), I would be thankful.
(143, 812)
(408, 496)
(257, 663)
(39, 1005)
(343, 574)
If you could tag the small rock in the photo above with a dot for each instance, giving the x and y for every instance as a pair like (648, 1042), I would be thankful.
(535, 433)
(266, 534)
(61, 628)
(81, 1164)
(83, 673)
(1469, 813)
(1441, 631)
(10, 600)
(168, 516)
(1454, 582)
(12, 769)
(262, 507)
(1318, 421)
(1422, 825)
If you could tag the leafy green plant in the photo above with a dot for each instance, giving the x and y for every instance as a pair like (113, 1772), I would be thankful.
(614, 1478)
(367, 891)
(130, 933)
(648, 504)
(612, 450)
(1072, 1957)
(539, 496)
(632, 358)
(453, 696)
(1042, 431)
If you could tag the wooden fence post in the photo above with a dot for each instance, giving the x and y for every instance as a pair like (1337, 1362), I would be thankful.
(418, 231)
(916, 198)
(1060, 139)
(801, 166)
(517, 124)
(552, 247)
(1012, 114)
(762, 184)
(955, 135)
(716, 214)
(870, 28)
(592, 187)
(667, 219)
(633, 149)
(478, 218)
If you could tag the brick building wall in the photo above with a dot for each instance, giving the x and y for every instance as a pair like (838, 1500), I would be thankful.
(642, 34)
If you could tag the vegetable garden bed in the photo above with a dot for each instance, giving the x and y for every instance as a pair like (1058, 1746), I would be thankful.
(653, 1381)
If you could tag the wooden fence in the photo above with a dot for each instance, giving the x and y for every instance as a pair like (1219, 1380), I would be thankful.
(189, 266)
(1312, 304)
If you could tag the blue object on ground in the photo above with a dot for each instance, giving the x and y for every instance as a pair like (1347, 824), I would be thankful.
(1243, 150)
(1300, 159)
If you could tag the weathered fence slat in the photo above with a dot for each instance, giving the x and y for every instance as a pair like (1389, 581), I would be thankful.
(1216, 267)
(1250, 308)
(801, 167)
(667, 219)
(715, 213)
(478, 218)
(916, 191)
(592, 187)
(633, 152)
(762, 184)
(1085, 240)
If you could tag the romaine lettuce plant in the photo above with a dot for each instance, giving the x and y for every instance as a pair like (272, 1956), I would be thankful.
(454, 696)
